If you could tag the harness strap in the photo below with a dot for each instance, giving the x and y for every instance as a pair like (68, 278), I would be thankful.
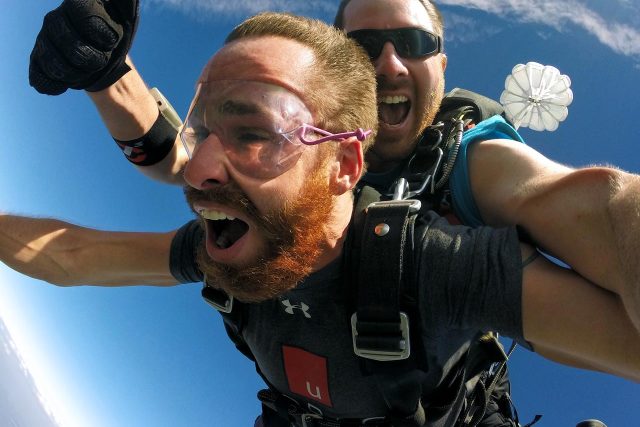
(380, 329)
(288, 409)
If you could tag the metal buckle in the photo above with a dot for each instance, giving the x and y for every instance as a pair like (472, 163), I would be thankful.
(414, 205)
(308, 418)
(383, 355)
(373, 420)
(217, 298)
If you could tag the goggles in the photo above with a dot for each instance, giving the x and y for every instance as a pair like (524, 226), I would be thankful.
(263, 128)
(410, 43)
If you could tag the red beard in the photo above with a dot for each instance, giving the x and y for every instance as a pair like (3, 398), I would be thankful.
(295, 235)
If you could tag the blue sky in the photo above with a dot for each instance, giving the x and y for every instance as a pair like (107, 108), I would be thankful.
(133, 357)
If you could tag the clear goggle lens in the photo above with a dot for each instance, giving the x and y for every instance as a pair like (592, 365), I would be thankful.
(262, 127)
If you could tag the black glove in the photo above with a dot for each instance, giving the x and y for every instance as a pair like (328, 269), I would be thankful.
(83, 45)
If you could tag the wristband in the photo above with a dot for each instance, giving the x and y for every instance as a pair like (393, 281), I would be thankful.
(156, 144)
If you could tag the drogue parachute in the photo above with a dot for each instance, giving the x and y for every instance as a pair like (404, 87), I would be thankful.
(536, 96)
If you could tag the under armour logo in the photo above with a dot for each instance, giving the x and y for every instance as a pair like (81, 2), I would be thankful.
(290, 307)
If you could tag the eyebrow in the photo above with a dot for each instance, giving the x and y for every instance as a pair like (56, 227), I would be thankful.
(239, 108)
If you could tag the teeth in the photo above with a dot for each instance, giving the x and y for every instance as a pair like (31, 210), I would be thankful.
(396, 99)
(214, 215)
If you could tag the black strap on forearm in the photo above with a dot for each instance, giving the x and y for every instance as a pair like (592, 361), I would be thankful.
(153, 147)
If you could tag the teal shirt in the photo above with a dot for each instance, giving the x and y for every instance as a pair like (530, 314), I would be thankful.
(464, 205)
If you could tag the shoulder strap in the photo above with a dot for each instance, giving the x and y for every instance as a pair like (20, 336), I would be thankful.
(380, 329)
(480, 107)
(380, 322)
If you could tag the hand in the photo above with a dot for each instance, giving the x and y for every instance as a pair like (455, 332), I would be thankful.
(83, 44)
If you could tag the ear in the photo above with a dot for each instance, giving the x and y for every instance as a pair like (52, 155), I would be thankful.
(348, 166)
(443, 60)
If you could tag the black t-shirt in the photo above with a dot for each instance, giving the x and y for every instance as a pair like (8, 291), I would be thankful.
(469, 281)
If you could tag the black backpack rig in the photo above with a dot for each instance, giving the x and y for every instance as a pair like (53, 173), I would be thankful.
(384, 307)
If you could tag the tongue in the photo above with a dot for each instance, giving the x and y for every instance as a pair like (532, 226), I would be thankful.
(393, 114)
(232, 231)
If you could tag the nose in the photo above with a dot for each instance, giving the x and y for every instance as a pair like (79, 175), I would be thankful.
(389, 64)
(207, 167)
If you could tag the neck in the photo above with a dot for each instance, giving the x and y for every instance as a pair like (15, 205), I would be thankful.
(336, 230)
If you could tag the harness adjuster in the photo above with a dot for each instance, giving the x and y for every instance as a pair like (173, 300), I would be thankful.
(315, 420)
(382, 341)
(309, 419)
(217, 298)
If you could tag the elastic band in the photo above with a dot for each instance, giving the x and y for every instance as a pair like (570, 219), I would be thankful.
(154, 146)
(531, 258)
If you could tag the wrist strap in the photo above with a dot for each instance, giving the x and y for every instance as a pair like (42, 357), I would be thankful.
(154, 146)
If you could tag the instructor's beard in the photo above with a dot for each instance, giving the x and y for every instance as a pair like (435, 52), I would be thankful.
(425, 115)
(295, 237)
(433, 101)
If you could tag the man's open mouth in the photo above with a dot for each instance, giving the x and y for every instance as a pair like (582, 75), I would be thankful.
(393, 110)
(223, 230)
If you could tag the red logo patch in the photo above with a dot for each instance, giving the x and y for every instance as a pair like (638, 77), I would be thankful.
(307, 374)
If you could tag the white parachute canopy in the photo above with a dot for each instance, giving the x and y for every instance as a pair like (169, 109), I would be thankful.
(536, 96)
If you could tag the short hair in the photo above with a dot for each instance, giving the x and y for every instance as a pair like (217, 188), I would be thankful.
(341, 83)
(431, 8)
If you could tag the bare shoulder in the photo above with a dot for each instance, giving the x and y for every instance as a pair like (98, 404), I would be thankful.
(503, 171)
(502, 151)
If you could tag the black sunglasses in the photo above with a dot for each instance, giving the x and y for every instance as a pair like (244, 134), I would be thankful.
(408, 42)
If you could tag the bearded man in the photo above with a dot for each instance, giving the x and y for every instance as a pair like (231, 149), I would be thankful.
(275, 139)
(586, 217)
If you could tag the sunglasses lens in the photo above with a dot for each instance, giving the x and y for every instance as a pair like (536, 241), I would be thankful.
(408, 42)
(414, 43)
(370, 40)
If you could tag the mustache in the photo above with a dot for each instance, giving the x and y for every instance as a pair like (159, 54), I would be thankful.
(382, 83)
(229, 195)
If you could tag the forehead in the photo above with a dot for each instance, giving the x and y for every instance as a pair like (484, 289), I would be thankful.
(384, 14)
(269, 59)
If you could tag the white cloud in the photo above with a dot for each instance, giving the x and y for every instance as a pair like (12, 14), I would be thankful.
(622, 38)
(39, 376)
(473, 29)
(25, 404)
(246, 7)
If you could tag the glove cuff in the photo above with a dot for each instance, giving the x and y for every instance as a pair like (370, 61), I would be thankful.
(110, 78)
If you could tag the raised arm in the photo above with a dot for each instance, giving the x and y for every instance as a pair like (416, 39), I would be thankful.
(130, 111)
(83, 44)
(69, 255)
(589, 218)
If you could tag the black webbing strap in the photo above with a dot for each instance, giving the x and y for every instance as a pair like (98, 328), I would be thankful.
(289, 411)
(380, 328)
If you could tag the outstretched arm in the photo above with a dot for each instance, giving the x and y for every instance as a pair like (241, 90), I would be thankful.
(69, 255)
(588, 218)
(574, 322)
